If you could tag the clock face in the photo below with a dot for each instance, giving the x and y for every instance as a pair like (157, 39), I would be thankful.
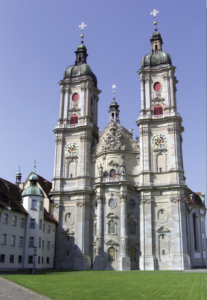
(159, 141)
(71, 149)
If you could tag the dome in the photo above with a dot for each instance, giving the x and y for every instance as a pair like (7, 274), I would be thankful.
(114, 104)
(156, 59)
(80, 70)
(156, 35)
(81, 47)
(33, 177)
(32, 191)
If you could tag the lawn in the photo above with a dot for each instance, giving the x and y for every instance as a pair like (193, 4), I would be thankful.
(85, 285)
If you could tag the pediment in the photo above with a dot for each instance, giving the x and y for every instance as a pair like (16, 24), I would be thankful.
(112, 242)
(163, 228)
(112, 215)
(69, 231)
(116, 137)
(133, 243)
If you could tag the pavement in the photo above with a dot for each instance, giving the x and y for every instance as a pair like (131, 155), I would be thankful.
(10, 290)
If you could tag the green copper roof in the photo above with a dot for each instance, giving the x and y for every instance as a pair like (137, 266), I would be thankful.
(114, 104)
(156, 59)
(81, 47)
(80, 70)
(156, 36)
(33, 177)
(32, 191)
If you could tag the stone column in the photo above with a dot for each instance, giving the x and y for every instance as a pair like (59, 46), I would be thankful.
(61, 105)
(146, 242)
(142, 95)
(125, 264)
(180, 256)
(58, 162)
(172, 92)
(99, 259)
(87, 102)
(82, 260)
(66, 99)
(145, 155)
(167, 91)
(148, 93)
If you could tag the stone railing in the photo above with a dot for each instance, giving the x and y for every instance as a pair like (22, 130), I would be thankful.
(73, 125)
(172, 114)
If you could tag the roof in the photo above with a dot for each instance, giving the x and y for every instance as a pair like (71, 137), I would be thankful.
(196, 199)
(33, 191)
(49, 217)
(10, 196)
(45, 184)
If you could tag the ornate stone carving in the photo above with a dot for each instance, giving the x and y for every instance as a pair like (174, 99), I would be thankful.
(99, 199)
(123, 197)
(69, 231)
(173, 128)
(85, 137)
(113, 163)
(145, 132)
(58, 139)
(163, 228)
(83, 87)
(146, 201)
(112, 242)
(123, 168)
(100, 170)
(113, 139)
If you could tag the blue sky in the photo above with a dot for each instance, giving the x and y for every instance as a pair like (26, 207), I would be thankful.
(38, 40)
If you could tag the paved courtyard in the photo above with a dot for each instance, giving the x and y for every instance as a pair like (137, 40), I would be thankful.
(10, 290)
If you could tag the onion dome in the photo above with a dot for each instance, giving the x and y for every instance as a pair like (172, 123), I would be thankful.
(81, 68)
(114, 104)
(33, 189)
(157, 56)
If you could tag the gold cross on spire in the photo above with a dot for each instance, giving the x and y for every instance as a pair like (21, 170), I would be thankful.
(82, 25)
(154, 13)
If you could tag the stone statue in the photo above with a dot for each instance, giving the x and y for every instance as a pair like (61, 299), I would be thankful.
(123, 169)
(131, 130)
(100, 170)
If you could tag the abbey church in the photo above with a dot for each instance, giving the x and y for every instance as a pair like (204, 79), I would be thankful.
(123, 204)
(115, 203)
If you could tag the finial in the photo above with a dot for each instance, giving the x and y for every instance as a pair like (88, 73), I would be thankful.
(82, 25)
(35, 166)
(154, 13)
(113, 87)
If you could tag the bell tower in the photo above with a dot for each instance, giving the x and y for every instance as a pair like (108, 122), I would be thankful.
(75, 133)
(161, 180)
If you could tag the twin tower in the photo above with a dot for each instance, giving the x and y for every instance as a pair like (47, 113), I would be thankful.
(120, 203)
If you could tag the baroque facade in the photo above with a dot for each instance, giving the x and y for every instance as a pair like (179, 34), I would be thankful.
(123, 204)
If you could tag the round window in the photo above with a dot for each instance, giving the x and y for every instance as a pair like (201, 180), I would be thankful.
(75, 97)
(157, 86)
(112, 203)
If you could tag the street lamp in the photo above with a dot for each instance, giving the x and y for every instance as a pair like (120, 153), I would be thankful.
(35, 249)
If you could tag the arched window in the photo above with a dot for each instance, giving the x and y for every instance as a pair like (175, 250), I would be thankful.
(74, 119)
(111, 254)
(158, 110)
(111, 227)
(132, 254)
(195, 232)
(132, 228)
(112, 173)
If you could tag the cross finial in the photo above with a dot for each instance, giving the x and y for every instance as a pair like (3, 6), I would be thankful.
(113, 87)
(82, 25)
(154, 13)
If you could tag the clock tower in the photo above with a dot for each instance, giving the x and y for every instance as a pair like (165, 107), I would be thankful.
(163, 236)
(75, 134)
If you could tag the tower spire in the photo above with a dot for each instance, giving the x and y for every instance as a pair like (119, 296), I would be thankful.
(114, 108)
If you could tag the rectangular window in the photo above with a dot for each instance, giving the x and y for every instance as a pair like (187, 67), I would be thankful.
(43, 227)
(39, 242)
(6, 217)
(13, 239)
(41, 205)
(14, 221)
(38, 259)
(68, 253)
(48, 245)
(20, 259)
(48, 228)
(40, 224)
(42, 260)
(4, 237)
(163, 252)
(21, 240)
(48, 260)
(34, 204)
(160, 169)
(30, 259)
(32, 223)
(43, 244)
(22, 222)
(2, 258)
(11, 259)
(31, 242)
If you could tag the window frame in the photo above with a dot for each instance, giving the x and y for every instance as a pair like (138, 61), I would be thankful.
(6, 219)
(21, 241)
(32, 221)
(4, 237)
(14, 220)
(31, 242)
(34, 204)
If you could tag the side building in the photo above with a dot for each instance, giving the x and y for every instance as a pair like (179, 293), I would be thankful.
(26, 227)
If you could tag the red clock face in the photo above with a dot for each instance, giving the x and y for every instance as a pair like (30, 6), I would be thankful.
(75, 97)
(157, 86)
